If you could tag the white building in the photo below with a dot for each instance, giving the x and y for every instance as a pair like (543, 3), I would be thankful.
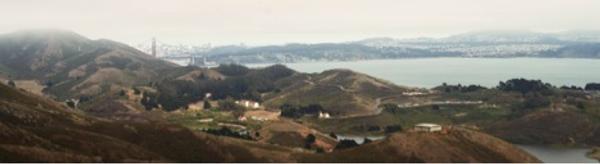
(324, 115)
(428, 127)
(415, 93)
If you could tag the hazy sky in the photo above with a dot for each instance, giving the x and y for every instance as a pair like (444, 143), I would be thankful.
(258, 22)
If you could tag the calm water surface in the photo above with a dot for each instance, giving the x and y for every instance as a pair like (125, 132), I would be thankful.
(358, 139)
(432, 72)
(560, 155)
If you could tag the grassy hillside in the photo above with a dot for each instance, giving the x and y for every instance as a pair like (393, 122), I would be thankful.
(342, 93)
(458, 145)
(541, 116)
(38, 130)
(72, 66)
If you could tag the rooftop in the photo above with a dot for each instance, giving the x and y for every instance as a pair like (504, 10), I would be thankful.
(427, 125)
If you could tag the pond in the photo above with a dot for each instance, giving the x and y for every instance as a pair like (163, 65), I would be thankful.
(358, 139)
(551, 154)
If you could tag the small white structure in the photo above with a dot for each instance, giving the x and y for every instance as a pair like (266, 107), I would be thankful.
(324, 115)
(206, 120)
(428, 127)
(414, 93)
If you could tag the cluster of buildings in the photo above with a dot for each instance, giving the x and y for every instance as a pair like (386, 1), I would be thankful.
(324, 115)
(248, 104)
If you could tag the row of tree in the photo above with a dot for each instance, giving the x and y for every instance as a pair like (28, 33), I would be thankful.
(518, 85)
(297, 111)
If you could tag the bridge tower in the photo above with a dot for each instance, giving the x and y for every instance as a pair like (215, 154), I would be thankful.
(154, 47)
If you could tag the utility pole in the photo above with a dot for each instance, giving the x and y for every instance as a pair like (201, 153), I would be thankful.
(154, 47)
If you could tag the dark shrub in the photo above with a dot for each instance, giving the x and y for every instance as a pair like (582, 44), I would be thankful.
(11, 83)
(332, 135)
(294, 111)
(592, 86)
(392, 128)
(344, 144)
(373, 128)
(207, 105)
(309, 140)
(524, 86)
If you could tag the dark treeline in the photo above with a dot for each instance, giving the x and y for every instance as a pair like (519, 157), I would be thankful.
(524, 86)
(459, 88)
(517, 85)
(592, 86)
(224, 131)
(297, 111)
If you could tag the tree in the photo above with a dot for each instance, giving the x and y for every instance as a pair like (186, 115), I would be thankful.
(290, 111)
(332, 135)
(309, 140)
(207, 104)
(572, 87)
(293, 111)
(229, 105)
(136, 91)
(202, 76)
(49, 84)
(524, 86)
(344, 144)
(70, 104)
(149, 102)
(122, 93)
(592, 86)
(373, 128)
(320, 150)
(12, 83)
(392, 128)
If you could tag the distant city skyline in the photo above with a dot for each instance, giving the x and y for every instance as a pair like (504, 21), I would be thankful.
(262, 22)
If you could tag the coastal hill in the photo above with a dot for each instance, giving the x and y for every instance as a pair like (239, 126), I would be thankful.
(340, 92)
(457, 145)
(68, 65)
(36, 129)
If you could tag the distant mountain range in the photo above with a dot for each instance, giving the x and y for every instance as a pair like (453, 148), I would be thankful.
(570, 44)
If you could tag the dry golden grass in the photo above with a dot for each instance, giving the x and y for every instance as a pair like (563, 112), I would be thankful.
(32, 86)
